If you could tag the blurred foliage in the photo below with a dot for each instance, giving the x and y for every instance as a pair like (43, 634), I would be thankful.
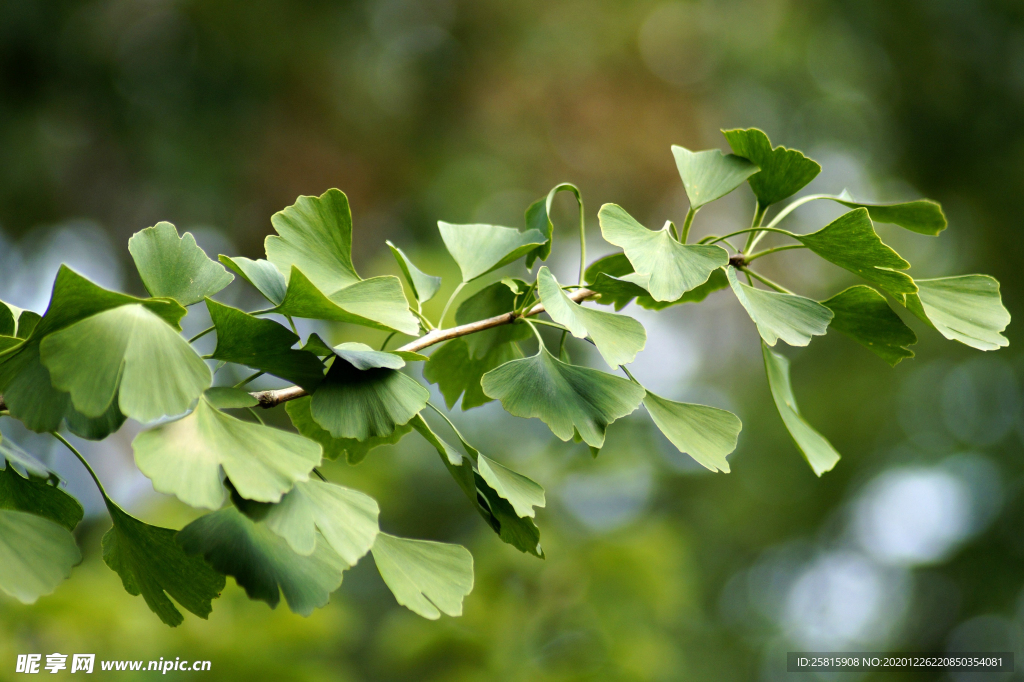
(218, 113)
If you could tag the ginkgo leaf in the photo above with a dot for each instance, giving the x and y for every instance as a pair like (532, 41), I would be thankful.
(150, 563)
(424, 286)
(517, 530)
(479, 249)
(850, 241)
(618, 338)
(355, 451)
(862, 313)
(457, 373)
(36, 555)
(489, 302)
(538, 217)
(264, 345)
(185, 458)
(613, 277)
(228, 397)
(361, 356)
(38, 496)
(565, 397)
(789, 317)
(15, 322)
(314, 240)
(378, 302)
(261, 561)
(8, 322)
(967, 309)
(175, 267)
(134, 355)
(783, 172)
(923, 216)
(818, 452)
(346, 519)
(705, 433)
(366, 403)
(14, 454)
(670, 268)
(710, 175)
(25, 382)
(428, 578)
(262, 274)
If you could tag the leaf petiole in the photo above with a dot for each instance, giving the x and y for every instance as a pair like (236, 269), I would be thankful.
(767, 282)
(95, 478)
(440, 322)
(690, 213)
(776, 249)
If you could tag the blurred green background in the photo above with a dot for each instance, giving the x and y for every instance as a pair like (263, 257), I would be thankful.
(115, 114)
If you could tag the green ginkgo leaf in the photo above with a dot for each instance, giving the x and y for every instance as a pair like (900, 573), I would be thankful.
(923, 216)
(150, 563)
(8, 322)
(261, 561)
(366, 403)
(185, 457)
(16, 323)
(613, 277)
(424, 286)
(458, 374)
(816, 449)
(262, 274)
(314, 237)
(229, 397)
(346, 519)
(25, 382)
(175, 267)
(710, 175)
(38, 496)
(538, 217)
(789, 317)
(428, 578)
(378, 302)
(967, 309)
(670, 269)
(134, 355)
(569, 399)
(850, 241)
(496, 510)
(618, 338)
(264, 345)
(355, 451)
(784, 172)
(861, 313)
(479, 249)
(705, 433)
(36, 555)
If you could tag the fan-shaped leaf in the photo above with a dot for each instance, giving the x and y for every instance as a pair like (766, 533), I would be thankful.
(354, 450)
(862, 313)
(479, 249)
(710, 175)
(38, 496)
(816, 449)
(428, 578)
(262, 274)
(613, 278)
(457, 374)
(967, 309)
(185, 458)
(707, 434)
(134, 355)
(794, 319)
(228, 397)
(424, 286)
(263, 345)
(175, 267)
(670, 268)
(361, 404)
(618, 338)
(346, 519)
(850, 241)
(923, 216)
(150, 563)
(538, 217)
(261, 561)
(784, 172)
(36, 555)
(565, 397)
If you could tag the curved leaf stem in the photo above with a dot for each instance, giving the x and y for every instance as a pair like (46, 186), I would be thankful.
(385, 344)
(292, 323)
(764, 280)
(752, 229)
(583, 240)
(776, 249)
(690, 213)
(321, 476)
(423, 318)
(451, 299)
(248, 379)
(630, 375)
(536, 333)
(526, 298)
(258, 418)
(69, 446)
(548, 323)
(752, 240)
(202, 333)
